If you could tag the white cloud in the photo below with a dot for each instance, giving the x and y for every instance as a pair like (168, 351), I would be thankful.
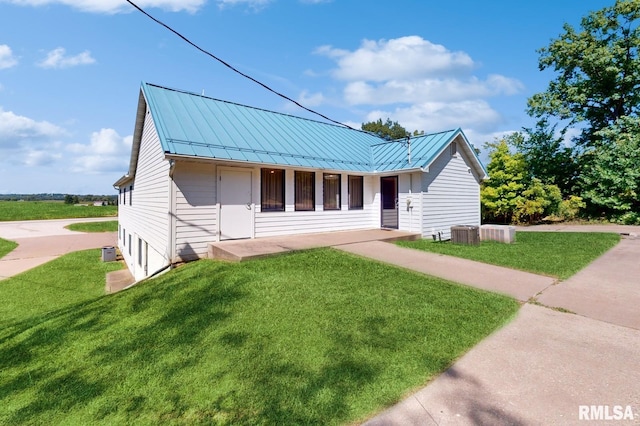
(251, 4)
(17, 128)
(439, 116)
(37, 157)
(57, 59)
(311, 99)
(116, 6)
(408, 57)
(7, 60)
(437, 89)
(422, 85)
(107, 151)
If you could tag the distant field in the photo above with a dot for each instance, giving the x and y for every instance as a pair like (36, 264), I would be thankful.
(34, 210)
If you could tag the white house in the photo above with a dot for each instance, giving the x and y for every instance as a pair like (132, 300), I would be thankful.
(204, 170)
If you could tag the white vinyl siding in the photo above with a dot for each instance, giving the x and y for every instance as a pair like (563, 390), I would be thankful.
(196, 211)
(148, 217)
(409, 215)
(298, 222)
(451, 194)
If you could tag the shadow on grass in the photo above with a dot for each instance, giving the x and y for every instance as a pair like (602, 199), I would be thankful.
(218, 343)
(32, 354)
(267, 384)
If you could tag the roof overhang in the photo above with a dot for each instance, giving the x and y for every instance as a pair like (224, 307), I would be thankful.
(464, 144)
(135, 146)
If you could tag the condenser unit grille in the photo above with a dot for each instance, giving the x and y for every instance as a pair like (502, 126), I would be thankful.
(465, 234)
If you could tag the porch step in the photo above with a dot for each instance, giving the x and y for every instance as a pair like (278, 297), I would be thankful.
(240, 250)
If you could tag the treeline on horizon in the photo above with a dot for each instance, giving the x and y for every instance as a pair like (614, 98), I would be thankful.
(110, 199)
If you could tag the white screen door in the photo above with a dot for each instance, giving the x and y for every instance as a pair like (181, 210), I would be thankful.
(236, 211)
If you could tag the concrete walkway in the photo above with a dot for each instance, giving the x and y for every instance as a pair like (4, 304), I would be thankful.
(44, 240)
(518, 284)
(561, 227)
(538, 370)
(607, 290)
(546, 364)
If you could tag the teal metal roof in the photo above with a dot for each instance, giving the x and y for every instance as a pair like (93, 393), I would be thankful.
(194, 125)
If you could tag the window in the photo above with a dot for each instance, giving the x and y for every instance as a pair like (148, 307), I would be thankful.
(129, 244)
(272, 190)
(331, 191)
(454, 148)
(355, 193)
(139, 251)
(120, 232)
(124, 196)
(305, 183)
(131, 195)
(124, 234)
(120, 195)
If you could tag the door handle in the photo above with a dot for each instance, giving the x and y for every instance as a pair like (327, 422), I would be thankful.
(248, 206)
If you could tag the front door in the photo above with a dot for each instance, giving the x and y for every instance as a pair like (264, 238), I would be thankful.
(389, 191)
(236, 210)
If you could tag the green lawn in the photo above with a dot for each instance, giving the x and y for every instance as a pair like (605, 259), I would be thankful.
(35, 210)
(109, 226)
(314, 337)
(556, 254)
(6, 247)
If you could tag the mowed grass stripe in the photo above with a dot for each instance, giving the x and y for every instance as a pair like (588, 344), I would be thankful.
(6, 247)
(107, 226)
(556, 254)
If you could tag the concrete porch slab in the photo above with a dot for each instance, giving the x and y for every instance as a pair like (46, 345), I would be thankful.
(239, 250)
(118, 280)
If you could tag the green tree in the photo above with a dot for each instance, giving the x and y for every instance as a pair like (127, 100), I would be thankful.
(612, 175)
(68, 199)
(598, 69)
(537, 201)
(501, 195)
(389, 130)
(511, 194)
(547, 156)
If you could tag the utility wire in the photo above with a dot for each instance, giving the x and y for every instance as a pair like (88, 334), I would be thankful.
(206, 52)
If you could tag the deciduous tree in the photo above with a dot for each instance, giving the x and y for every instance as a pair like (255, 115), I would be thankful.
(597, 71)
(389, 129)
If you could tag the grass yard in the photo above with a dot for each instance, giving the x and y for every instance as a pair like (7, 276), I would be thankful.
(6, 247)
(109, 226)
(39, 210)
(314, 337)
(556, 254)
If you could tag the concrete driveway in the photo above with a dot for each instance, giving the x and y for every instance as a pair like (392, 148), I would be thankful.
(40, 241)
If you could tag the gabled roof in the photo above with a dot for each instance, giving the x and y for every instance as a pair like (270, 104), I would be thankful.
(193, 125)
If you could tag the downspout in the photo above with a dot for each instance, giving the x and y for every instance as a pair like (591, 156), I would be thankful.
(172, 214)
(410, 203)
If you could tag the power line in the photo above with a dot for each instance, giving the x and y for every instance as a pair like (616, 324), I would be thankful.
(206, 52)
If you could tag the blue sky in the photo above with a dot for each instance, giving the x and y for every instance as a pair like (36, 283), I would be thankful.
(70, 70)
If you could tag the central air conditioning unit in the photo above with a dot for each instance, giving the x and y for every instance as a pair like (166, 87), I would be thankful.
(465, 234)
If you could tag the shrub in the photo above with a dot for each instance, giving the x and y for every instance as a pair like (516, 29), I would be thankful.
(570, 208)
